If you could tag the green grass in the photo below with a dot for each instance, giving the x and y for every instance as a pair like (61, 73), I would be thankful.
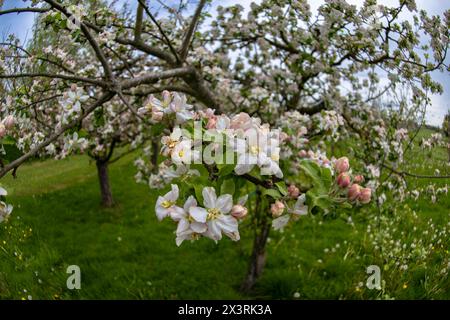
(125, 253)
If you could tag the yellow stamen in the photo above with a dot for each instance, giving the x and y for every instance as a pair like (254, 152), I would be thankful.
(213, 214)
(254, 150)
(166, 204)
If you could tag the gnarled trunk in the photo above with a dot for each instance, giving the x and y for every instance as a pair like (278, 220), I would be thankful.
(258, 257)
(105, 188)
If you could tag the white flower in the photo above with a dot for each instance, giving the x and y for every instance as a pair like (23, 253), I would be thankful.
(181, 109)
(182, 153)
(169, 142)
(165, 205)
(75, 98)
(188, 227)
(262, 149)
(216, 215)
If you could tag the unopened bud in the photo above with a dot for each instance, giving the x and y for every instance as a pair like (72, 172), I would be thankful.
(277, 208)
(342, 165)
(238, 211)
(293, 191)
(365, 195)
(354, 192)
(343, 180)
(358, 179)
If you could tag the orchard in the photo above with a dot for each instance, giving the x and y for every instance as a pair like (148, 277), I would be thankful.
(270, 149)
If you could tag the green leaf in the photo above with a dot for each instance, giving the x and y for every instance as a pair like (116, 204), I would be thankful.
(282, 188)
(198, 192)
(320, 177)
(225, 169)
(272, 193)
(12, 152)
(227, 187)
(157, 129)
(321, 201)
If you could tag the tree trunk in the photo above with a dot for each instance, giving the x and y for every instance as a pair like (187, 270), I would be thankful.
(155, 153)
(105, 188)
(258, 257)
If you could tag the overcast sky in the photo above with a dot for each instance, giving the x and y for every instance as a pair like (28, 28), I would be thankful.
(21, 25)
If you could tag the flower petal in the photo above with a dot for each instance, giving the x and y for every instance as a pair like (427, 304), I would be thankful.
(227, 223)
(209, 197)
(198, 213)
(173, 194)
(224, 203)
(280, 222)
(176, 213)
(190, 202)
(183, 225)
(198, 227)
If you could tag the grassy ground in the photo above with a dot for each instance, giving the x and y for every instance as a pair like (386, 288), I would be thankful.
(125, 253)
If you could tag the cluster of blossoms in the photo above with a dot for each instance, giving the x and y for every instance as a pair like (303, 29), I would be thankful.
(232, 147)
(345, 181)
(217, 217)
(244, 137)
(172, 104)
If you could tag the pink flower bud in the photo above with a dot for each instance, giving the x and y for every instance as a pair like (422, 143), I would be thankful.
(9, 122)
(2, 130)
(358, 179)
(212, 121)
(302, 154)
(365, 195)
(293, 191)
(238, 211)
(342, 165)
(343, 180)
(353, 192)
(277, 208)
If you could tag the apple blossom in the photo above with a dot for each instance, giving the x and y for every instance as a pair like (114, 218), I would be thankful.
(342, 165)
(343, 180)
(277, 208)
(166, 205)
(364, 196)
(354, 192)
(293, 191)
(238, 211)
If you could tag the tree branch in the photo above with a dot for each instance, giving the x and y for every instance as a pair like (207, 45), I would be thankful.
(190, 32)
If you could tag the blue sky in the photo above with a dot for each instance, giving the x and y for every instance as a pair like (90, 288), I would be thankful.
(21, 25)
